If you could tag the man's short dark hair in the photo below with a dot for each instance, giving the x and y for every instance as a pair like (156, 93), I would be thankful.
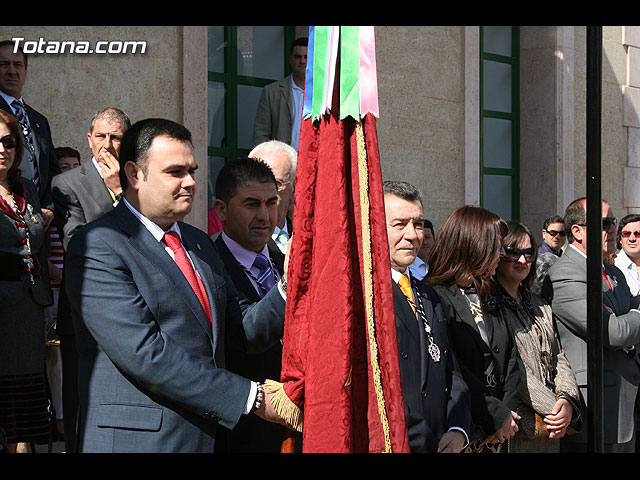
(299, 42)
(67, 152)
(575, 214)
(241, 171)
(552, 219)
(404, 190)
(13, 46)
(137, 140)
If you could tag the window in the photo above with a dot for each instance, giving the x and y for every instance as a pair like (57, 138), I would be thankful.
(500, 120)
(242, 60)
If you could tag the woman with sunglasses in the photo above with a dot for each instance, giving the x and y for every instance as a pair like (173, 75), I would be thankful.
(462, 263)
(549, 398)
(24, 293)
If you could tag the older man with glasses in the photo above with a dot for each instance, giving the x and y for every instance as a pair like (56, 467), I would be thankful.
(628, 259)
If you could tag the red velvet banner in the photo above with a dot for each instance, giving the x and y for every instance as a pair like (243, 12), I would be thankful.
(327, 364)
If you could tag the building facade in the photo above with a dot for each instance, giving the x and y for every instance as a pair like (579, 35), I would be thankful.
(492, 116)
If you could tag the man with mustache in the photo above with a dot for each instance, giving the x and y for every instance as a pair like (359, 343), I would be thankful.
(247, 204)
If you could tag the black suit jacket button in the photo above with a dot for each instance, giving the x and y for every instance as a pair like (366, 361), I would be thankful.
(424, 394)
(496, 349)
(405, 355)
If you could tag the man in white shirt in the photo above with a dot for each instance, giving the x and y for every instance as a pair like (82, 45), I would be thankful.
(280, 106)
(628, 258)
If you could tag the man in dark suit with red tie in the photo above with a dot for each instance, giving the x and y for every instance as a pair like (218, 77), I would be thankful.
(436, 397)
(247, 204)
(152, 305)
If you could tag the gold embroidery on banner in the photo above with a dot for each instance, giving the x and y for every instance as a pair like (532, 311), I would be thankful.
(363, 179)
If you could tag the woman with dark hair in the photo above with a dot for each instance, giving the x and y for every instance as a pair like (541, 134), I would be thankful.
(549, 398)
(462, 263)
(24, 293)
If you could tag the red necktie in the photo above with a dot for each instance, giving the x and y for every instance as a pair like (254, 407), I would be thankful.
(173, 241)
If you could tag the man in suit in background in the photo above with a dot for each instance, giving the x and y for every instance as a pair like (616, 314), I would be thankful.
(39, 162)
(282, 159)
(567, 284)
(87, 193)
(152, 303)
(81, 196)
(247, 205)
(436, 397)
(280, 106)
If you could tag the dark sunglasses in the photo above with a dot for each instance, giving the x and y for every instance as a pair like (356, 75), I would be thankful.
(607, 223)
(627, 234)
(8, 141)
(553, 233)
(513, 254)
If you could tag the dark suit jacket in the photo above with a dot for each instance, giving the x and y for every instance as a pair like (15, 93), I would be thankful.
(436, 396)
(491, 407)
(567, 284)
(44, 151)
(151, 369)
(251, 434)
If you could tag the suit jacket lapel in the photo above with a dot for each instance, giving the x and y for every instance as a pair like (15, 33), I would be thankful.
(410, 321)
(427, 307)
(461, 306)
(610, 293)
(35, 130)
(238, 277)
(141, 240)
(94, 186)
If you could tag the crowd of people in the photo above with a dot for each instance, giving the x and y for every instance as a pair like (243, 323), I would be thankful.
(124, 329)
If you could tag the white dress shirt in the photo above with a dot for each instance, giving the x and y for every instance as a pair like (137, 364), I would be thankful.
(630, 270)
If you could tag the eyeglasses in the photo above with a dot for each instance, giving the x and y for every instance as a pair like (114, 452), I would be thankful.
(607, 223)
(513, 254)
(627, 234)
(553, 233)
(282, 185)
(8, 141)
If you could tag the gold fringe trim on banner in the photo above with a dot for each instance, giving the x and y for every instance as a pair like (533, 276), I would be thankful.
(365, 210)
(283, 406)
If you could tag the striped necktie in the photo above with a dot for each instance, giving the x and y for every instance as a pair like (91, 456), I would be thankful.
(265, 276)
(21, 115)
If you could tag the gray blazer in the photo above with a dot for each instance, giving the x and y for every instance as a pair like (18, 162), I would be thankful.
(568, 278)
(151, 374)
(80, 196)
(274, 117)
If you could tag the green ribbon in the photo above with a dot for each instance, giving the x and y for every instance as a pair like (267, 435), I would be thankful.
(319, 69)
(349, 72)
